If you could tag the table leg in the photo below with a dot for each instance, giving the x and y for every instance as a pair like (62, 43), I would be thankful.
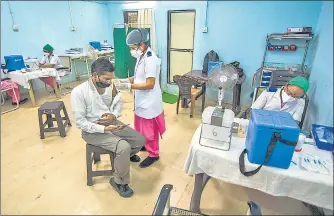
(77, 76)
(203, 97)
(200, 181)
(31, 94)
(183, 102)
(57, 91)
(87, 67)
(314, 210)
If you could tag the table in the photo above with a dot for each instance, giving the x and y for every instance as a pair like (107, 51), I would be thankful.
(85, 57)
(25, 80)
(201, 77)
(309, 187)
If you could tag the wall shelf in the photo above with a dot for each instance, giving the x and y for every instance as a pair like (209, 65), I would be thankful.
(268, 68)
(290, 37)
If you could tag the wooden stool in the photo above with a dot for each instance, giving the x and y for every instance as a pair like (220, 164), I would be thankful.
(97, 151)
(49, 109)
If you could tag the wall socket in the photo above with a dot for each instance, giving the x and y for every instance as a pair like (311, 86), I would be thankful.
(73, 28)
(15, 28)
(205, 29)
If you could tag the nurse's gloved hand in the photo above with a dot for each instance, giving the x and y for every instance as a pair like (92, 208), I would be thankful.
(123, 80)
(123, 86)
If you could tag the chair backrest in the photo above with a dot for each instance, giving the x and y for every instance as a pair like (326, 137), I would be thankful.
(185, 84)
(281, 77)
(304, 111)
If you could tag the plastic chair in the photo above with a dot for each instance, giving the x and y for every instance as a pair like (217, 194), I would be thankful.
(3, 99)
(49, 109)
(187, 92)
(162, 206)
(96, 152)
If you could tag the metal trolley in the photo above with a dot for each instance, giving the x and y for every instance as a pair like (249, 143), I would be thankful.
(162, 206)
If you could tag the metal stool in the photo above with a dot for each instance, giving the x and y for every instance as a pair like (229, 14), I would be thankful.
(97, 151)
(49, 109)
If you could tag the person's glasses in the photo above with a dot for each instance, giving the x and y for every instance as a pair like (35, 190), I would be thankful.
(292, 94)
(104, 80)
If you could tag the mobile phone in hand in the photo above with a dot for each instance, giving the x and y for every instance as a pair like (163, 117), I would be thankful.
(121, 127)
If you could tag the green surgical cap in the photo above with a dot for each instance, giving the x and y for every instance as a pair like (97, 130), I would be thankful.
(301, 82)
(48, 47)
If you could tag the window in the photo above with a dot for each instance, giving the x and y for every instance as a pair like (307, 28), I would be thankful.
(130, 17)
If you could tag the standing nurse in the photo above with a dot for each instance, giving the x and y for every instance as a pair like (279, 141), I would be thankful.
(149, 114)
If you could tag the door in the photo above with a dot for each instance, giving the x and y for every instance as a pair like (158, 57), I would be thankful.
(181, 29)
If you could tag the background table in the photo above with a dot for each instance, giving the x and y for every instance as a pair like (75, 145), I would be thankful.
(202, 78)
(85, 56)
(309, 187)
(24, 79)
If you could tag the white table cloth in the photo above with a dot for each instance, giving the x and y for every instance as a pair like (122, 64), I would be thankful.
(23, 78)
(313, 188)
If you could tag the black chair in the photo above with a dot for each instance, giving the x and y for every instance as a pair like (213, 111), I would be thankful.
(162, 206)
(187, 92)
(96, 152)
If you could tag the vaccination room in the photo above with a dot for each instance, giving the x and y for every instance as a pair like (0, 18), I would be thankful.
(167, 107)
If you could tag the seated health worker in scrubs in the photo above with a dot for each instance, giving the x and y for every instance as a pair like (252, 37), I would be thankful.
(49, 60)
(285, 99)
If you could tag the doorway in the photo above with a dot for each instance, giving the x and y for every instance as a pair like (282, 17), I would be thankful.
(180, 40)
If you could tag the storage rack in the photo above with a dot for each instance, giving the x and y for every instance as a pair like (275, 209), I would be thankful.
(267, 68)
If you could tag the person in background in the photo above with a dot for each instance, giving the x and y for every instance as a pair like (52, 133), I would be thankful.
(289, 98)
(149, 115)
(49, 60)
(7, 84)
(96, 105)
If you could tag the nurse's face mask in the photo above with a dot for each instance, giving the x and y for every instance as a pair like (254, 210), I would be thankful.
(135, 51)
(104, 81)
(293, 92)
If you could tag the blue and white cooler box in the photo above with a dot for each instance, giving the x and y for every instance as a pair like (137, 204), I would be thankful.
(14, 62)
(271, 140)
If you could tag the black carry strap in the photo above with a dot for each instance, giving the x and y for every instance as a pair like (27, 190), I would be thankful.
(274, 138)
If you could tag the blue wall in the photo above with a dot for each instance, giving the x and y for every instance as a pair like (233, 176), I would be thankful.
(320, 109)
(42, 22)
(236, 30)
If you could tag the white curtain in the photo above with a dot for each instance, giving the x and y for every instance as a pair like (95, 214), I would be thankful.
(146, 20)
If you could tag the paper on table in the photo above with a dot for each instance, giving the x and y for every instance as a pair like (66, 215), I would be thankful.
(316, 164)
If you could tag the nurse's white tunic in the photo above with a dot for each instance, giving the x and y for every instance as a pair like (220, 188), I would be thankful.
(148, 103)
(272, 101)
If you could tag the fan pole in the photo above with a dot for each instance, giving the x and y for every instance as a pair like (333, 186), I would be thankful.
(220, 97)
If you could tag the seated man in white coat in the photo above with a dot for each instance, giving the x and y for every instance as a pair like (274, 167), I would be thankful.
(96, 104)
(285, 99)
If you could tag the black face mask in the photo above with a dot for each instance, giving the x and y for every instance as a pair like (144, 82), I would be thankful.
(101, 84)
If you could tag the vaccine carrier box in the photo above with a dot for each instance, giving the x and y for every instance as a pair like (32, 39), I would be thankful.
(272, 135)
(14, 62)
(96, 45)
